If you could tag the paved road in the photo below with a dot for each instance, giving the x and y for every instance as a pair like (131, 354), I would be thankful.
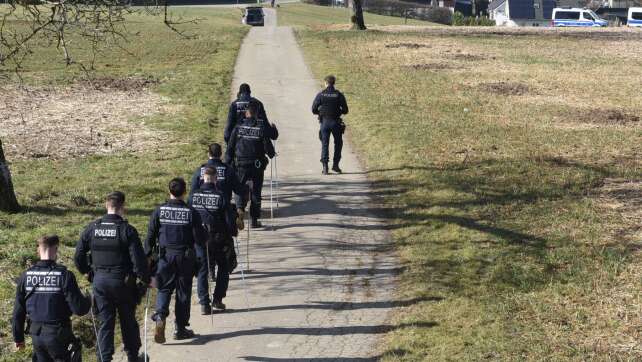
(320, 289)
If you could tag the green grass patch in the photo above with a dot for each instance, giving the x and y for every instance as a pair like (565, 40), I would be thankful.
(195, 74)
(511, 188)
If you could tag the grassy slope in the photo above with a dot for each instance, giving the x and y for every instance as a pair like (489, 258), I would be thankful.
(495, 201)
(195, 73)
(310, 15)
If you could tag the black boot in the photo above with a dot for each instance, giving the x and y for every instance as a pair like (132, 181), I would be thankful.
(218, 304)
(256, 223)
(137, 358)
(159, 331)
(335, 167)
(182, 333)
(325, 169)
(206, 309)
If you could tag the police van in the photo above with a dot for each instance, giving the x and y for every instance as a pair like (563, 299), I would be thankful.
(564, 17)
(635, 17)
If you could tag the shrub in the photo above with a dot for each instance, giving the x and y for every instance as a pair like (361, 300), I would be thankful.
(440, 15)
(460, 20)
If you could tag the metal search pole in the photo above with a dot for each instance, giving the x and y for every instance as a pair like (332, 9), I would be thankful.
(93, 322)
(146, 358)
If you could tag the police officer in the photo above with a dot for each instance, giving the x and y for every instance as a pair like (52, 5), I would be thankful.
(212, 205)
(329, 105)
(110, 251)
(48, 294)
(250, 143)
(226, 182)
(174, 228)
(226, 178)
(237, 110)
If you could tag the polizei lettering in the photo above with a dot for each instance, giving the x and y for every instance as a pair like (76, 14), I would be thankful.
(206, 201)
(175, 215)
(255, 133)
(105, 233)
(43, 282)
(220, 173)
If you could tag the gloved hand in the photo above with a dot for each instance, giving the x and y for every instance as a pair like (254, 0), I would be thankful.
(141, 290)
(90, 276)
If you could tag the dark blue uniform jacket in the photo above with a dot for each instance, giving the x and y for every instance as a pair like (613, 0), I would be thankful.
(330, 104)
(250, 142)
(131, 259)
(175, 226)
(226, 179)
(237, 110)
(48, 293)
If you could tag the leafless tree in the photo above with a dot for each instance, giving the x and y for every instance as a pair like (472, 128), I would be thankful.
(357, 15)
(8, 201)
(24, 23)
(27, 25)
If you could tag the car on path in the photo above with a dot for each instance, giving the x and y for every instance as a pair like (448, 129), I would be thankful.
(253, 15)
(635, 17)
(577, 17)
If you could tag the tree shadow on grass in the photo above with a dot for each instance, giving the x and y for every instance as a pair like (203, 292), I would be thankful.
(488, 187)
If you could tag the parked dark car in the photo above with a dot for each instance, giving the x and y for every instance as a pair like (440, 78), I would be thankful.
(253, 16)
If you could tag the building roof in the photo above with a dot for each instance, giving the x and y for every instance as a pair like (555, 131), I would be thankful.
(495, 4)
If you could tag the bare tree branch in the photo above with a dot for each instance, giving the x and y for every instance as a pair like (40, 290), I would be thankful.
(25, 23)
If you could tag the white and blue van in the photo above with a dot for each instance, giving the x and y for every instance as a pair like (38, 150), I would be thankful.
(576, 17)
(635, 17)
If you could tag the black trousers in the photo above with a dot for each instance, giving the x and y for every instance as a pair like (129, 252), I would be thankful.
(175, 273)
(113, 296)
(50, 342)
(219, 269)
(246, 173)
(331, 127)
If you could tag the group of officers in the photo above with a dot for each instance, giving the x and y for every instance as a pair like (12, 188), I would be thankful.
(189, 235)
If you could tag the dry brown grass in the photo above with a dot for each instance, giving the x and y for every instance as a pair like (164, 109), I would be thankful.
(87, 118)
(515, 160)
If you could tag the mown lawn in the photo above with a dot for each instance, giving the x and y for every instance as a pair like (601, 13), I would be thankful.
(512, 170)
(194, 73)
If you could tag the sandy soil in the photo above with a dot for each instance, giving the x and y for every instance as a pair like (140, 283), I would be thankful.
(103, 116)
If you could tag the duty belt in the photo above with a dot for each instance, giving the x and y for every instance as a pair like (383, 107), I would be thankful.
(66, 323)
(248, 161)
(110, 269)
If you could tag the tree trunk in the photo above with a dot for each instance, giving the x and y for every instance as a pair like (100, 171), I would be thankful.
(8, 200)
(357, 15)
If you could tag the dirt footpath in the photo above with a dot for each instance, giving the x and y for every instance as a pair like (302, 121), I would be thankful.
(322, 280)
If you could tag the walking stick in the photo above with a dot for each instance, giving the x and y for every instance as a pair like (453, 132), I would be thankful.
(93, 322)
(271, 196)
(276, 175)
(207, 251)
(249, 226)
(238, 252)
(145, 324)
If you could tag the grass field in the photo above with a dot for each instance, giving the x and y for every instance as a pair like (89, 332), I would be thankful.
(61, 195)
(311, 15)
(511, 167)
